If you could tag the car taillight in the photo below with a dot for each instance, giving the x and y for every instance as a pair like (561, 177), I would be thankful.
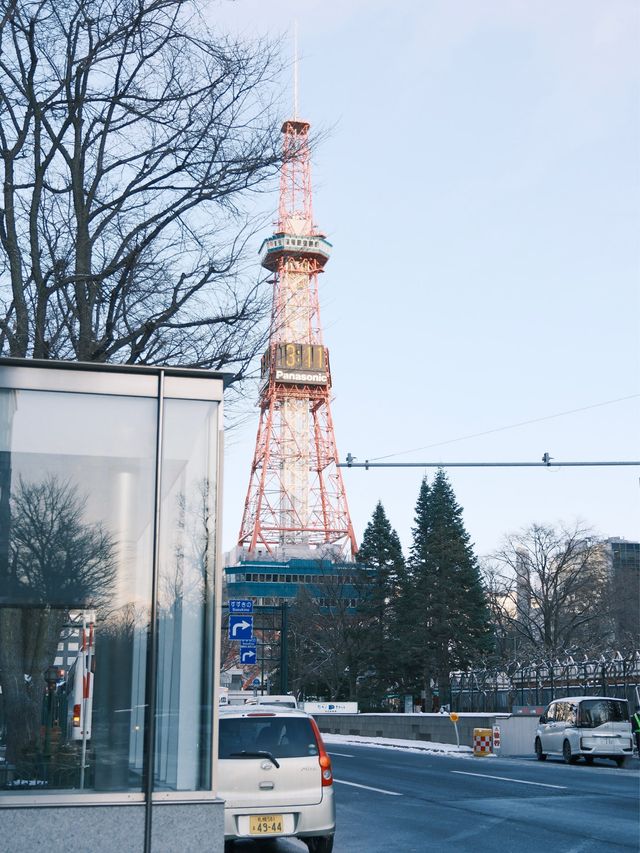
(323, 758)
(76, 715)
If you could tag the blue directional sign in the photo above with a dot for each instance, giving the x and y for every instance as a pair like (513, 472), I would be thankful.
(248, 654)
(248, 651)
(240, 605)
(240, 627)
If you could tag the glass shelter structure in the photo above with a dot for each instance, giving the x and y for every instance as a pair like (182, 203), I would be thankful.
(110, 577)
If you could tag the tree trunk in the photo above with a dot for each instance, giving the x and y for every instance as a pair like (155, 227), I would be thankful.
(28, 643)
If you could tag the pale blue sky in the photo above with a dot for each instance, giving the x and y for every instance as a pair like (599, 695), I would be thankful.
(481, 186)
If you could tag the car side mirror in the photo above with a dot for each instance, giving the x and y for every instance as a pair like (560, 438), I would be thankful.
(543, 719)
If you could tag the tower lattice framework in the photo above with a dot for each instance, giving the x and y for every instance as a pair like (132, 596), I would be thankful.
(296, 493)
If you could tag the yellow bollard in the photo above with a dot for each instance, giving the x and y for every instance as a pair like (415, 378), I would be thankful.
(481, 743)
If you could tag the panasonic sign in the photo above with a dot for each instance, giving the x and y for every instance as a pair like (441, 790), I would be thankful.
(301, 377)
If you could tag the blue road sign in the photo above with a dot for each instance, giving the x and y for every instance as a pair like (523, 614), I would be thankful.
(240, 605)
(256, 682)
(248, 651)
(240, 627)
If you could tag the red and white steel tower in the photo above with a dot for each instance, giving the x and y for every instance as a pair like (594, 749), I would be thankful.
(296, 498)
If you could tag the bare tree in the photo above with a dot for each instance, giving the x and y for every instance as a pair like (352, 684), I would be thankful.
(548, 587)
(327, 637)
(130, 137)
(54, 557)
(186, 573)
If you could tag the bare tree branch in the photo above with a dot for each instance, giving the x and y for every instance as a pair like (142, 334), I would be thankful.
(548, 587)
(131, 140)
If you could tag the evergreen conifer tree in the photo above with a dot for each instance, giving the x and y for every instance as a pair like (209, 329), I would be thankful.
(449, 625)
(382, 562)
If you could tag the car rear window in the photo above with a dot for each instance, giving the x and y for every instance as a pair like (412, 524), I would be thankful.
(281, 737)
(597, 712)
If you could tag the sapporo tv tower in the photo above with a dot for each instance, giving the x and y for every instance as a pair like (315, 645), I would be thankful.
(296, 502)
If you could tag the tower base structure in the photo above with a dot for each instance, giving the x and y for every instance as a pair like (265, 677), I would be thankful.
(272, 583)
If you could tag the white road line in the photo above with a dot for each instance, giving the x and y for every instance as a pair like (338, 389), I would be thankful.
(368, 788)
(507, 779)
(342, 754)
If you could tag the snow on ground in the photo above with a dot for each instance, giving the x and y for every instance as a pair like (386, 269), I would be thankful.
(397, 743)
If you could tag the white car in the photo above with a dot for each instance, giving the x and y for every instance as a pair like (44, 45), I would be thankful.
(281, 700)
(275, 776)
(587, 726)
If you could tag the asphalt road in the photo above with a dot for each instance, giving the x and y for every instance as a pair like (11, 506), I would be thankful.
(389, 800)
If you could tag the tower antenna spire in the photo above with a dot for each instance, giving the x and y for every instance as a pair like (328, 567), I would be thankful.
(295, 70)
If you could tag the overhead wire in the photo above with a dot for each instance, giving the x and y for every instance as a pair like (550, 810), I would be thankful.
(504, 428)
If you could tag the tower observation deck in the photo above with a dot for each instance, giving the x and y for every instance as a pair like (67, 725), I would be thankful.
(296, 502)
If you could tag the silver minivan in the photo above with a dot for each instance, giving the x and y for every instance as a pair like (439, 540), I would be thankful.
(585, 726)
(275, 776)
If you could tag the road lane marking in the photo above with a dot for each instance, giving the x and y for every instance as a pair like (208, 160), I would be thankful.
(342, 754)
(368, 788)
(508, 779)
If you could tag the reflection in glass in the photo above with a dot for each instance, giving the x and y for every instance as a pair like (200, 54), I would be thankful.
(76, 525)
(185, 603)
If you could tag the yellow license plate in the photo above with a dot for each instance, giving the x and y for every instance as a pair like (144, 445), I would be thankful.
(265, 824)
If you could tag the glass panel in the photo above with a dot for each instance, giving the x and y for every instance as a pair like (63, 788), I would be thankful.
(77, 476)
(185, 600)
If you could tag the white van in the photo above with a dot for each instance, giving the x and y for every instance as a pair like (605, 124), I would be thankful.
(585, 726)
(282, 701)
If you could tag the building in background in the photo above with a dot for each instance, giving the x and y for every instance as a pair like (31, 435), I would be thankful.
(271, 584)
(296, 537)
(623, 560)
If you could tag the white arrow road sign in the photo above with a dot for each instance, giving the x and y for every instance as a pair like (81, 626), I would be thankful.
(240, 627)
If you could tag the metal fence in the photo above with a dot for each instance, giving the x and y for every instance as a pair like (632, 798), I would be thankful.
(538, 684)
